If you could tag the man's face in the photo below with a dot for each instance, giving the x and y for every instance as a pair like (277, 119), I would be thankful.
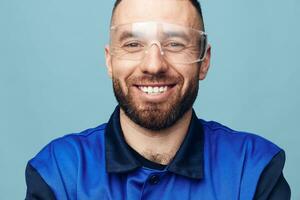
(153, 92)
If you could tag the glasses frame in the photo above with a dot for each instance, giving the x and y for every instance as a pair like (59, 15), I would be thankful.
(158, 44)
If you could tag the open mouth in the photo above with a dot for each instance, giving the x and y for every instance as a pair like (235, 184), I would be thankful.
(155, 89)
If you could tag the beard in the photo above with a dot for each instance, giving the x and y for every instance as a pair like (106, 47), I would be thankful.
(156, 116)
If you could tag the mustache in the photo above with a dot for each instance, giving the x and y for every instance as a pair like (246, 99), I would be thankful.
(157, 78)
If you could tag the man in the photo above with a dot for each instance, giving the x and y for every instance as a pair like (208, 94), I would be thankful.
(154, 146)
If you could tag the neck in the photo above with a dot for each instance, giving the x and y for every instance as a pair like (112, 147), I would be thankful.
(157, 146)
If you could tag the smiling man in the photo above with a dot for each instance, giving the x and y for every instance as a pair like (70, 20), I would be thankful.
(154, 146)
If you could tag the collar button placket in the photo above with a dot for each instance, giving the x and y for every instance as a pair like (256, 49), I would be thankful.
(154, 179)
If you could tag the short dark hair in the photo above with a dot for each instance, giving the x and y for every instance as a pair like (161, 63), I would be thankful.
(195, 3)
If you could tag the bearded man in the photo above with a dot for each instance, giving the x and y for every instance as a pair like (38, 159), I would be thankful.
(154, 146)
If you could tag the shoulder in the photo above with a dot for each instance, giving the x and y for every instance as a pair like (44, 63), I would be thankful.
(69, 149)
(62, 162)
(237, 149)
(83, 139)
(237, 140)
(243, 156)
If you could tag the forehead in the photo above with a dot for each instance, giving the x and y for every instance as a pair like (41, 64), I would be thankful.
(180, 12)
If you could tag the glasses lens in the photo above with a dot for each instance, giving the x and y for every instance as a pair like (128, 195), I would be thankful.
(178, 44)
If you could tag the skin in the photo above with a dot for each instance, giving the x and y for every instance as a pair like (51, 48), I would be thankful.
(157, 145)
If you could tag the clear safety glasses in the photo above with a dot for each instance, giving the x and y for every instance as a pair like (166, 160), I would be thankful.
(176, 44)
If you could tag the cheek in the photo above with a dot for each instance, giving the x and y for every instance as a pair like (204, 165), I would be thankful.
(190, 76)
(121, 68)
(121, 71)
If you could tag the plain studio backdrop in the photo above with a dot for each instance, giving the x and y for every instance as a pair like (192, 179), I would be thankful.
(53, 79)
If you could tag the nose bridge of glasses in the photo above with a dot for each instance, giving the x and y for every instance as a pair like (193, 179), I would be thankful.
(153, 61)
(153, 44)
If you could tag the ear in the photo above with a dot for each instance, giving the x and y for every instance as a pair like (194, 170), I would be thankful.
(204, 66)
(108, 61)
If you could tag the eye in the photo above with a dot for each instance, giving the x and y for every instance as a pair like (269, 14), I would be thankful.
(174, 46)
(133, 46)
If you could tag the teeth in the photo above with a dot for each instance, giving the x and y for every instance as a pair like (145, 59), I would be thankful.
(153, 90)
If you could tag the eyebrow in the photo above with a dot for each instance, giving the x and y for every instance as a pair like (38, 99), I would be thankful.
(129, 34)
(177, 34)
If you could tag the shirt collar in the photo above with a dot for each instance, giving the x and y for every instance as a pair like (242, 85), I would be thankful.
(187, 162)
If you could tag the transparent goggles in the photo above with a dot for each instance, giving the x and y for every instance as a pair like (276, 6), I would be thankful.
(177, 44)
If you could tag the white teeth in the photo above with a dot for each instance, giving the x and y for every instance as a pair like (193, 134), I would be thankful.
(153, 90)
(144, 89)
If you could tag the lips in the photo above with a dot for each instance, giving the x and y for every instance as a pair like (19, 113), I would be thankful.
(154, 92)
(154, 89)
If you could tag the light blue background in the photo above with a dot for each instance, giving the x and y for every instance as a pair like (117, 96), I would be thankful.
(53, 79)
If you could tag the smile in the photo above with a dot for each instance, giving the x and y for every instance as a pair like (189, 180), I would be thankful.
(154, 90)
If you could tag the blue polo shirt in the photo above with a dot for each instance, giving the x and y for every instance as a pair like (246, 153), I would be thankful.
(213, 162)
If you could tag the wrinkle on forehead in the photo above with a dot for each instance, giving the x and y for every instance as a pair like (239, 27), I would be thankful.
(180, 12)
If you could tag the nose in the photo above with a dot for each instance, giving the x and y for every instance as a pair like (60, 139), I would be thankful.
(154, 62)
